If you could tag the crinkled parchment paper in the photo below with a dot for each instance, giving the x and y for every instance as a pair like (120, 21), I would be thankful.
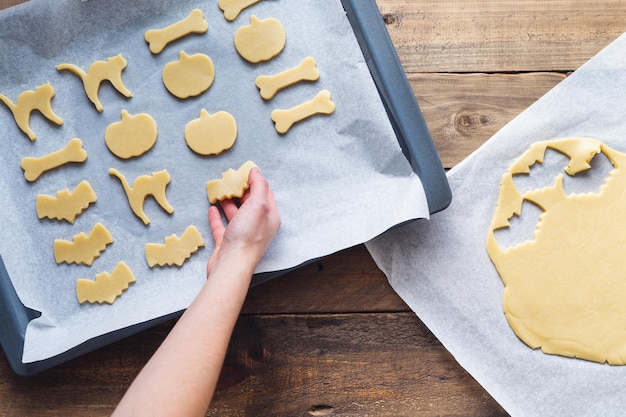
(441, 268)
(339, 180)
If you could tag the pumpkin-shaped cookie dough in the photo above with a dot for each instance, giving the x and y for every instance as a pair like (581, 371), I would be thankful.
(133, 136)
(261, 40)
(190, 76)
(211, 134)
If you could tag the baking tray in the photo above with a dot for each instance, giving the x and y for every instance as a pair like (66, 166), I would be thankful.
(408, 124)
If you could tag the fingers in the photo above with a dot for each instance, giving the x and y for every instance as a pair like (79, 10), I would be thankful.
(217, 226)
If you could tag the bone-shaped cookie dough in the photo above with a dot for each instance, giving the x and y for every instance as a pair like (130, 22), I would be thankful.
(144, 186)
(99, 71)
(158, 39)
(66, 205)
(176, 249)
(72, 152)
(38, 99)
(107, 287)
(83, 249)
(232, 8)
(269, 85)
(321, 104)
(233, 183)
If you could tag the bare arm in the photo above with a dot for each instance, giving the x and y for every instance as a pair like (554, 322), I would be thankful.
(181, 376)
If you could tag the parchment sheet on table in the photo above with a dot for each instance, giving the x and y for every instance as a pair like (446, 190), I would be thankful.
(441, 269)
(339, 180)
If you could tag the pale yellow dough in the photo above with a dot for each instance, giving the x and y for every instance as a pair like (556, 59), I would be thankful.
(133, 136)
(190, 76)
(98, 72)
(232, 184)
(232, 8)
(145, 185)
(211, 134)
(66, 205)
(107, 287)
(320, 104)
(39, 99)
(34, 167)
(261, 40)
(176, 250)
(158, 39)
(269, 85)
(83, 249)
(565, 290)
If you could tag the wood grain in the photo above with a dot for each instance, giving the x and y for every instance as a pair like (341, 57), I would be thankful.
(500, 35)
(332, 338)
(462, 111)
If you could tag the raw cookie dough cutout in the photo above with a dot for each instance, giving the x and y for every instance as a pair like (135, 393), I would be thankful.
(100, 71)
(321, 104)
(66, 205)
(232, 184)
(158, 39)
(190, 76)
(107, 287)
(133, 136)
(261, 40)
(269, 85)
(39, 99)
(565, 289)
(72, 152)
(144, 186)
(176, 250)
(211, 134)
(83, 249)
(232, 8)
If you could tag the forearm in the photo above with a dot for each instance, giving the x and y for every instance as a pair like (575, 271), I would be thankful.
(181, 376)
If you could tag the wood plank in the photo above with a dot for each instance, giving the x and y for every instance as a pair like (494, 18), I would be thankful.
(347, 365)
(462, 111)
(500, 35)
(279, 365)
(346, 282)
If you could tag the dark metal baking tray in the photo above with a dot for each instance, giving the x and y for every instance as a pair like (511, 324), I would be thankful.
(408, 124)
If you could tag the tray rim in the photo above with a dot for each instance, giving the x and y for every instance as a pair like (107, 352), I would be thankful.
(411, 131)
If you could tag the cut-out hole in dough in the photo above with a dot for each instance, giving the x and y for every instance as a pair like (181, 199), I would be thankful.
(98, 72)
(211, 134)
(39, 99)
(190, 76)
(565, 289)
(133, 136)
(176, 250)
(146, 185)
(106, 287)
(158, 39)
(83, 249)
(261, 40)
(34, 167)
(66, 205)
(233, 184)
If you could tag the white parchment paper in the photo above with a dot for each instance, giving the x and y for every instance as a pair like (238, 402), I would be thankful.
(339, 180)
(441, 268)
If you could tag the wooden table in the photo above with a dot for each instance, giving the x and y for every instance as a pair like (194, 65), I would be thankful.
(333, 338)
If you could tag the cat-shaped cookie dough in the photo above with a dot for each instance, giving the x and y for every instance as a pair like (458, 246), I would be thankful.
(38, 99)
(99, 71)
(144, 186)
